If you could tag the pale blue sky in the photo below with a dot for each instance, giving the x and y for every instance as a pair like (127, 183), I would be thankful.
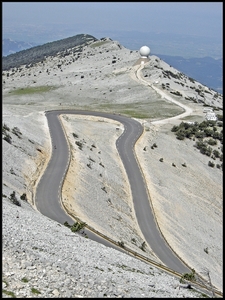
(56, 20)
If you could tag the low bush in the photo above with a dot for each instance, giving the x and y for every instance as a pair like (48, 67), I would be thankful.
(211, 164)
(14, 199)
(77, 226)
(121, 244)
(23, 197)
(212, 142)
(188, 276)
(79, 144)
(5, 127)
(8, 138)
(75, 135)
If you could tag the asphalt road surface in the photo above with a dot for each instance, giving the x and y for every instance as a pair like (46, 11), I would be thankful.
(48, 193)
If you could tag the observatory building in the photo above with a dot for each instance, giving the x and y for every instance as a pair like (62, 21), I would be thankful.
(144, 52)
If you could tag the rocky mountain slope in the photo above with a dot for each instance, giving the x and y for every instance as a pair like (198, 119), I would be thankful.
(206, 70)
(38, 53)
(185, 192)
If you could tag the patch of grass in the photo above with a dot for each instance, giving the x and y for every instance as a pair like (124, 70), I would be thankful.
(143, 110)
(24, 279)
(6, 283)
(32, 90)
(135, 114)
(35, 291)
(9, 293)
(97, 44)
(204, 296)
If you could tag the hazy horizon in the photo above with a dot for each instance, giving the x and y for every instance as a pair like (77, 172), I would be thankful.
(188, 29)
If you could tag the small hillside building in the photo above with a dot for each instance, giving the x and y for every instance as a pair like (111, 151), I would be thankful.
(211, 116)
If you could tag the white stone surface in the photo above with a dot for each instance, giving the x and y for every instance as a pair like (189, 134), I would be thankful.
(187, 201)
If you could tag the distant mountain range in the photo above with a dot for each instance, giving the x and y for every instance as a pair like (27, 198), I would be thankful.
(206, 70)
(9, 46)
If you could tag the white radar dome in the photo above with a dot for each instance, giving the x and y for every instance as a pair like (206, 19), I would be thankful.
(144, 51)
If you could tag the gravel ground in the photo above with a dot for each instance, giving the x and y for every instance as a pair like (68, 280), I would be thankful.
(187, 201)
(44, 259)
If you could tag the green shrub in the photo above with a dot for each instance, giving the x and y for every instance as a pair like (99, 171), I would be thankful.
(79, 144)
(23, 197)
(189, 133)
(121, 244)
(142, 247)
(5, 127)
(219, 117)
(188, 276)
(216, 153)
(203, 124)
(12, 171)
(16, 131)
(200, 134)
(206, 250)
(7, 138)
(175, 128)
(211, 164)
(180, 135)
(76, 226)
(67, 224)
(208, 132)
(208, 151)
(202, 146)
(14, 199)
(212, 142)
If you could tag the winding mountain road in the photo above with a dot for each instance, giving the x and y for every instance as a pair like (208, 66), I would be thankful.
(48, 192)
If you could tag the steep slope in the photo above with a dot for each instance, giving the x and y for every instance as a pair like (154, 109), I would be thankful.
(39, 53)
(103, 76)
